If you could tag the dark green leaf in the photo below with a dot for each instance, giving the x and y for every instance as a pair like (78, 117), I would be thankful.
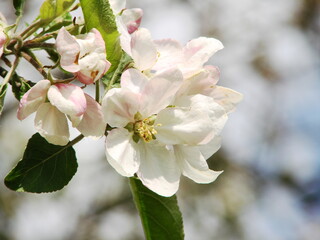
(44, 167)
(19, 86)
(98, 14)
(2, 96)
(52, 9)
(18, 5)
(160, 216)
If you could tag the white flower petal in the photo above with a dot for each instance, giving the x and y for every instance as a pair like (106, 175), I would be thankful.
(92, 123)
(183, 126)
(117, 5)
(52, 124)
(160, 91)
(193, 165)
(121, 152)
(68, 98)
(133, 80)
(199, 50)
(158, 169)
(143, 50)
(132, 18)
(32, 99)
(125, 37)
(226, 97)
(119, 107)
(69, 49)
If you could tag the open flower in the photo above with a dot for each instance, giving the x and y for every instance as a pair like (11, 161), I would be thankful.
(156, 140)
(84, 55)
(64, 100)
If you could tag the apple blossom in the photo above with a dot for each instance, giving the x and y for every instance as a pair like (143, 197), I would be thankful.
(84, 55)
(156, 140)
(54, 103)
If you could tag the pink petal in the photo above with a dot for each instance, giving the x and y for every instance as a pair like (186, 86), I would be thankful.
(52, 124)
(133, 80)
(92, 123)
(132, 18)
(69, 49)
(68, 98)
(32, 99)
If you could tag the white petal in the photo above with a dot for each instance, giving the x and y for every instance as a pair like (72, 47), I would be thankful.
(206, 105)
(144, 52)
(125, 37)
(69, 50)
(68, 98)
(133, 80)
(170, 54)
(183, 126)
(158, 169)
(198, 51)
(92, 123)
(160, 91)
(32, 99)
(121, 152)
(52, 124)
(193, 165)
(207, 150)
(226, 97)
(119, 107)
(132, 18)
(117, 5)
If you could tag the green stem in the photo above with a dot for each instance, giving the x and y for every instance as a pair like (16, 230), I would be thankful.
(31, 29)
(39, 45)
(10, 73)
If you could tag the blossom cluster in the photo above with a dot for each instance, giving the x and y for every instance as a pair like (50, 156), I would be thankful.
(166, 117)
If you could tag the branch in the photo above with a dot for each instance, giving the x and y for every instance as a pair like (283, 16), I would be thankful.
(34, 63)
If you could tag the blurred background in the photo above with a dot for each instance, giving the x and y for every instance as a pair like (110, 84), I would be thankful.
(270, 188)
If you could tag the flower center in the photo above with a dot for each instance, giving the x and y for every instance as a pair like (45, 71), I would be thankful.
(145, 129)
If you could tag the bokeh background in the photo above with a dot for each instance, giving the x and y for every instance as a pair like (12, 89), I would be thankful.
(270, 188)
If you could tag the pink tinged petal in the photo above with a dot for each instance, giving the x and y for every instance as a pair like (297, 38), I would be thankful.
(121, 152)
(52, 124)
(32, 99)
(160, 91)
(69, 49)
(193, 165)
(92, 123)
(198, 51)
(158, 169)
(226, 97)
(117, 5)
(132, 18)
(68, 98)
(98, 40)
(183, 126)
(170, 54)
(134, 80)
(119, 107)
(143, 50)
(87, 80)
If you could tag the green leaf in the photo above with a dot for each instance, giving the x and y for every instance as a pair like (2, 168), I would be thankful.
(98, 14)
(52, 9)
(44, 167)
(19, 86)
(2, 96)
(18, 5)
(160, 216)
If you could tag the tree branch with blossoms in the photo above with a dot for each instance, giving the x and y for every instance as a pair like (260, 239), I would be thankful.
(161, 113)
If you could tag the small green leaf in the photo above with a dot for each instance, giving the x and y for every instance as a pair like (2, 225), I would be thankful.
(2, 96)
(52, 9)
(44, 167)
(18, 5)
(98, 14)
(160, 216)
